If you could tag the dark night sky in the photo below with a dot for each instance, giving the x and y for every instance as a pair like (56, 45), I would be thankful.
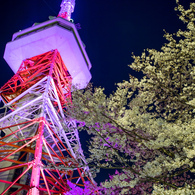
(111, 31)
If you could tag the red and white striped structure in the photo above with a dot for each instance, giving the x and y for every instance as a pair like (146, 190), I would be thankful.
(40, 149)
(67, 7)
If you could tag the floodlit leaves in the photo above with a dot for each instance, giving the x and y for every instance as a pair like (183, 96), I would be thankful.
(146, 129)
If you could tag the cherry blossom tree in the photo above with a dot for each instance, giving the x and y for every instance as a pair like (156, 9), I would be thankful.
(145, 130)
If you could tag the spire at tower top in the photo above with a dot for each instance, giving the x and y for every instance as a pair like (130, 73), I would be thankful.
(67, 7)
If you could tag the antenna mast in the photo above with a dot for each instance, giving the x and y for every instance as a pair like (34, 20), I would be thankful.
(67, 7)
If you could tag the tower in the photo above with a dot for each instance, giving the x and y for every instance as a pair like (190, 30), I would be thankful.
(40, 151)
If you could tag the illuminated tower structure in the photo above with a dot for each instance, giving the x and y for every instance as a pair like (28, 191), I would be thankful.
(40, 151)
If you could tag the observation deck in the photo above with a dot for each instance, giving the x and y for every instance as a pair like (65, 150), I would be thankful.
(59, 34)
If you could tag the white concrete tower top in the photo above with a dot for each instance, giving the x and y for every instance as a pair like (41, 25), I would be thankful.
(58, 33)
(67, 7)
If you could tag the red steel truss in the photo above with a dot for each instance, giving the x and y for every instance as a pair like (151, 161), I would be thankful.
(40, 150)
(33, 70)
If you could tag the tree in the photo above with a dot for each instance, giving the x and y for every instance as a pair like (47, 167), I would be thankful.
(145, 130)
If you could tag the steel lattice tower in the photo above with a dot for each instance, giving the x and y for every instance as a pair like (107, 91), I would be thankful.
(39, 145)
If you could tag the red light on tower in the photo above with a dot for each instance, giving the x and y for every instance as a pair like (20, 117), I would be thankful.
(67, 7)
